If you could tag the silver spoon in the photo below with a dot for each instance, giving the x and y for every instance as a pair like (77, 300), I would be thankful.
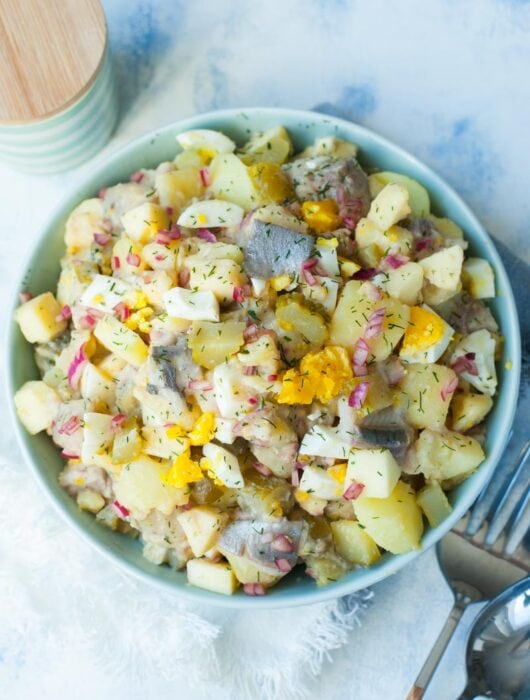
(498, 647)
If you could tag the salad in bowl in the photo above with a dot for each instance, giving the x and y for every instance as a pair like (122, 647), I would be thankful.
(261, 358)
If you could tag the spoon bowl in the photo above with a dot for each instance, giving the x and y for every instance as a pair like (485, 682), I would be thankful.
(498, 648)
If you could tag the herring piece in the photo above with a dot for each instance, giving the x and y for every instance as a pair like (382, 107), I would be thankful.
(274, 250)
(257, 539)
(191, 305)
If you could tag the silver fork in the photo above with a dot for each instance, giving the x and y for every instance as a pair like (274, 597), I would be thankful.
(501, 515)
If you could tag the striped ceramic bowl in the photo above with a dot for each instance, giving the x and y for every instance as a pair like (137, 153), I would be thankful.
(69, 137)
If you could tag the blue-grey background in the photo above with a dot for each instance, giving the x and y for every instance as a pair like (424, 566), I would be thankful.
(446, 79)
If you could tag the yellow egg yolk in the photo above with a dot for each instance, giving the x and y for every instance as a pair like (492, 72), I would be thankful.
(424, 330)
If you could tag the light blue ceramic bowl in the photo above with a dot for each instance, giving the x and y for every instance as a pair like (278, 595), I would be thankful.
(42, 271)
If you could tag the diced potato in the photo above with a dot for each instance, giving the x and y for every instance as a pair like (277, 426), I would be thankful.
(75, 277)
(178, 187)
(82, 223)
(224, 465)
(468, 410)
(139, 487)
(390, 205)
(112, 365)
(434, 296)
(291, 312)
(215, 251)
(276, 214)
(246, 570)
(353, 543)
(159, 441)
(212, 343)
(376, 470)
(97, 388)
(120, 340)
(478, 278)
(447, 227)
(202, 526)
(97, 436)
(218, 578)
(447, 456)
(318, 480)
(404, 283)
(37, 405)
(127, 446)
(421, 396)
(327, 567)
(443, 269)
(39, 318)
(90, 501)
(159, 257)
(220, 277)
(142, 223)
(261, 352)
(396, 240)
(349, 321)
(270, 146)
(433, 502)
(230, 180)
(418, 195)
(395, 523)
(231, 398)
(127, 258)
(314, 505)
(272, 185)
(191, 305)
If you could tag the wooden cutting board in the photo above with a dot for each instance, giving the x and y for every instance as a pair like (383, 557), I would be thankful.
(50, 53)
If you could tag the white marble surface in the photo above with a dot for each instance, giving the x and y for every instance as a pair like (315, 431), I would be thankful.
(446, 79)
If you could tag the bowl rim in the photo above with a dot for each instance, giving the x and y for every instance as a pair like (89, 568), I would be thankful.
(370, 576)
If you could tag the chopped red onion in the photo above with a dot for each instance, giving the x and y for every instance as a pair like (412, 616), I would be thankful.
(295, 478)
(449, 388)
(250, 332)
(422, 244)
(353, 491)
(102, 238)
(184, 276)
(117, 422)
(272, 377)
(365, 274)
(102, 192)
(25, 297)
(372, 292)
(396, 261)
(71, 425)
(358, 395)
(138, 176)
(466, 363)
(163, 237)
(205, 176)
(238, 295)
(253, 401)
(283, 565)
(76, 367)
(169, 211)
(122, 510)
(267, 537)
(375, 324)
(309, 264)
(88, 321)
(122, 310)
(360, 356)
(262, 469)
(250, 370)
(69, 455)
(116, 262)
(160, 257)
(199, 385)
(254, 589)
(133, 259)
(65, 314)
(282, 543)
(206, 235)
(309, 278)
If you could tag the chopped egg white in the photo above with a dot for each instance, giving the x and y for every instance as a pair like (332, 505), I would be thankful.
(104, 293)
(191, 305)
(207, 140)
